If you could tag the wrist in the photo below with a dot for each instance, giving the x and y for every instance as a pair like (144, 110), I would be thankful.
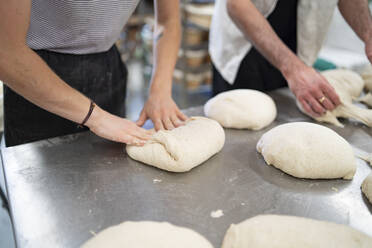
(289, 69)
(95, 118)
(160, 88)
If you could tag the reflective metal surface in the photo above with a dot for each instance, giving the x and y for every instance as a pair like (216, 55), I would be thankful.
(64, 190)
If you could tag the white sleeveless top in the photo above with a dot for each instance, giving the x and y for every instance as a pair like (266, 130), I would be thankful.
(77, 26)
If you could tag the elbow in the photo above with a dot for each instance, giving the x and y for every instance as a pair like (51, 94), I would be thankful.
(233, 7)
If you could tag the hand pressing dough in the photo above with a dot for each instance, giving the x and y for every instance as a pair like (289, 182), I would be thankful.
(348, 85)
(242, 109)
(147, 234)
(367, 187)
(182, 148)
(280, 231)
(308, 150)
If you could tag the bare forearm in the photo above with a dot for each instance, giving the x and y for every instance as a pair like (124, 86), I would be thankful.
(259, 32)
(358, 16)
(28, 75)
(166, 45)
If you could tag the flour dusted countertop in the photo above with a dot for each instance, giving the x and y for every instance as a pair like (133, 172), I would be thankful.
(64, 190)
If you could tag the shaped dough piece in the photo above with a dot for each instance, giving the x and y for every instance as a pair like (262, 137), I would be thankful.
(367, 77)
(346, 81)
(348, 85)
(308, 150)
(280, 231)
(147, 234)
(250, 109)
(182, 148)
(366, 99)
(367, 187)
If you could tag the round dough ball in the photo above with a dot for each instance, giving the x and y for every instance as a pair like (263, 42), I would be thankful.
(277, 231)
(367, 187)
(308, 150)
(242, 109)
(182, 148)
(147, 234)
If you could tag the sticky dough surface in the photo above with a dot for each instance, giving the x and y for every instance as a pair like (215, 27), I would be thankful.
(182, 148)
(280, 231)
(241, 109)
(147, 234)
(308, 150)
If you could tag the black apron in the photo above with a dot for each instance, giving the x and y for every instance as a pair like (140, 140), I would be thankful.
(101, 77)
(255, 72)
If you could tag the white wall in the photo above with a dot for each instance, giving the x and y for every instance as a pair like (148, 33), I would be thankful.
(342, 46)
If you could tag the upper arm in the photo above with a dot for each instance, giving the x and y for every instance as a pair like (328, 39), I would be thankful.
(15, 19)
(235, 6)
(167, 11)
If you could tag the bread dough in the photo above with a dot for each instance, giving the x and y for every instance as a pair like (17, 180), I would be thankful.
(280, 231)
(308, 150)
(346, 81)
(367, 77)
(250, 109)
(367, 187)
(348, 85)
(366, 99)
(147, 234)
(182, 148)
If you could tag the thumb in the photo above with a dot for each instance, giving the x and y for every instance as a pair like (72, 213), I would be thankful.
(142, 119)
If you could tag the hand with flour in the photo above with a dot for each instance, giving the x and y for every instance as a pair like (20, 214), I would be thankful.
(311, 89)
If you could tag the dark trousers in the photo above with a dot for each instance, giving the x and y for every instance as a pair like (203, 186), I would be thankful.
(255, 72)
(101, 77)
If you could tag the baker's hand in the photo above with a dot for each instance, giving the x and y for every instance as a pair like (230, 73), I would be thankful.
(312, 90)
(368, 49)
(163, 112)
(117, 129)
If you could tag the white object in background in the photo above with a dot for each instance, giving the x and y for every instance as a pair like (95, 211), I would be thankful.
(342, 46)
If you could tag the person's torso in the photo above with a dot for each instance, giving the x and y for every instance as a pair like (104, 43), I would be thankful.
(228, 45)
(77, 26)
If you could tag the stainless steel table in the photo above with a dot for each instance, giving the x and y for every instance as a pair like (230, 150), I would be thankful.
(64, 190)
